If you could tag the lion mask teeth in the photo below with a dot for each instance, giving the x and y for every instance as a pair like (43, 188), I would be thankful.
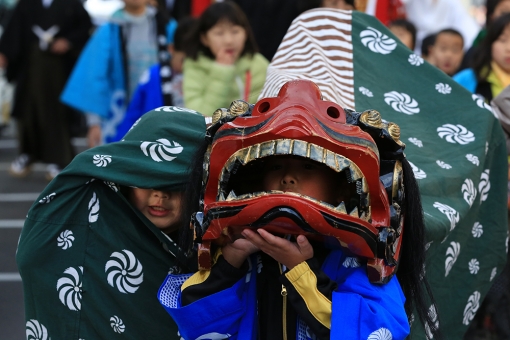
(298, 148)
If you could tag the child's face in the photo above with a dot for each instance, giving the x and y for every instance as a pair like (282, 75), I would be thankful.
(447, 52)
(134, 5)
(403, 35)
(225, 37)
(302, 176)
(501, 50)
(162, 208)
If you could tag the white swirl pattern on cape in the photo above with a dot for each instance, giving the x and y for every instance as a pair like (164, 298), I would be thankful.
(455, 134)
(418, 173)
(477, 230)
(433, 316)
(401, 102)
(381, 334)
(474, 266)
(93, 208)
(469, 191)
(65, 239)
(35, 330)
(416, 141)
(161, 149)
(471, 308)
(377, 42)
(365, 91)
(443, 164)
(415, 60)
(473, 159)
(124, 272)
(101, 160)
(452, 253)
(443, 88)
(484, 185)
(117, 324)
(47, 198)
(69, 288)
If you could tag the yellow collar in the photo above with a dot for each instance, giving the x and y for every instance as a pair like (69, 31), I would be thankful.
(503, 77)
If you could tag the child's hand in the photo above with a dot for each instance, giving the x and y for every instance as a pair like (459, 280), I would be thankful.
(225, 57)
(284, 251)
(236, 253)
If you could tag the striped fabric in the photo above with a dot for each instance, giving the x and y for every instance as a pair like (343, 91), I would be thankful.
(317, 47)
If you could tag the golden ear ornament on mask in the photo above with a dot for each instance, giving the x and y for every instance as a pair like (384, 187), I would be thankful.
(372, 118)
(238, 107)
(394, 131)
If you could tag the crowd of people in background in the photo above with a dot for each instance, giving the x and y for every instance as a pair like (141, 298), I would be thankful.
(73, 79)
(138, 60)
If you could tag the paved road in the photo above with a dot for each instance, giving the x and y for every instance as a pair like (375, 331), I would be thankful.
(16, 197)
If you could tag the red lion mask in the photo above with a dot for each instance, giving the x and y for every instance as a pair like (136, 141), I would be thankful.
(361, 146)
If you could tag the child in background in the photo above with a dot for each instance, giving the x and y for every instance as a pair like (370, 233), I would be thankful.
(109, 68)
(447, 51)
(405, 31)
(161, 84)
(490, 71)
(222, 62)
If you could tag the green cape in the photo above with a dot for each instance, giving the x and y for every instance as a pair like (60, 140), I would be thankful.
(455, 144)
(91, 264)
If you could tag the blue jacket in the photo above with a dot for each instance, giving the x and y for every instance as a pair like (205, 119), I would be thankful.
(97, 83)
(360, 310)
(467, 78)
(147, 97)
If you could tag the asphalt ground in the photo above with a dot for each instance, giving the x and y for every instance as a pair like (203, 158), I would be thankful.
(16, 197)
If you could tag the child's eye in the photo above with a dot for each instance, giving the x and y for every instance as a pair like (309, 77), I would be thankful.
(309, 166)
(272, 167)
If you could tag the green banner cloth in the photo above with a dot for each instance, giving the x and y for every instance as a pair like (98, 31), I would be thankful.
(455, 144)
(92, 264)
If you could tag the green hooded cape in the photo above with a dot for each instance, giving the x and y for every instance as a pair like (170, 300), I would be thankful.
(455, 144)
(92, 264)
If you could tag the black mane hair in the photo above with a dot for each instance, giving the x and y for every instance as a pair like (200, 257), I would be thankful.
(412, 260)
(215, 13)
(410, 272)
(191, 197)
(483, 54)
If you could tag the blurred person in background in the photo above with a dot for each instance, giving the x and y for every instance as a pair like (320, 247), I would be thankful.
(430, 16)
(38, 49)
(447, 51)
(161, 85)
(405, 32)
(222, 62)
(494, 9)
(490, 72)
(426, 44)
(107, 72)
